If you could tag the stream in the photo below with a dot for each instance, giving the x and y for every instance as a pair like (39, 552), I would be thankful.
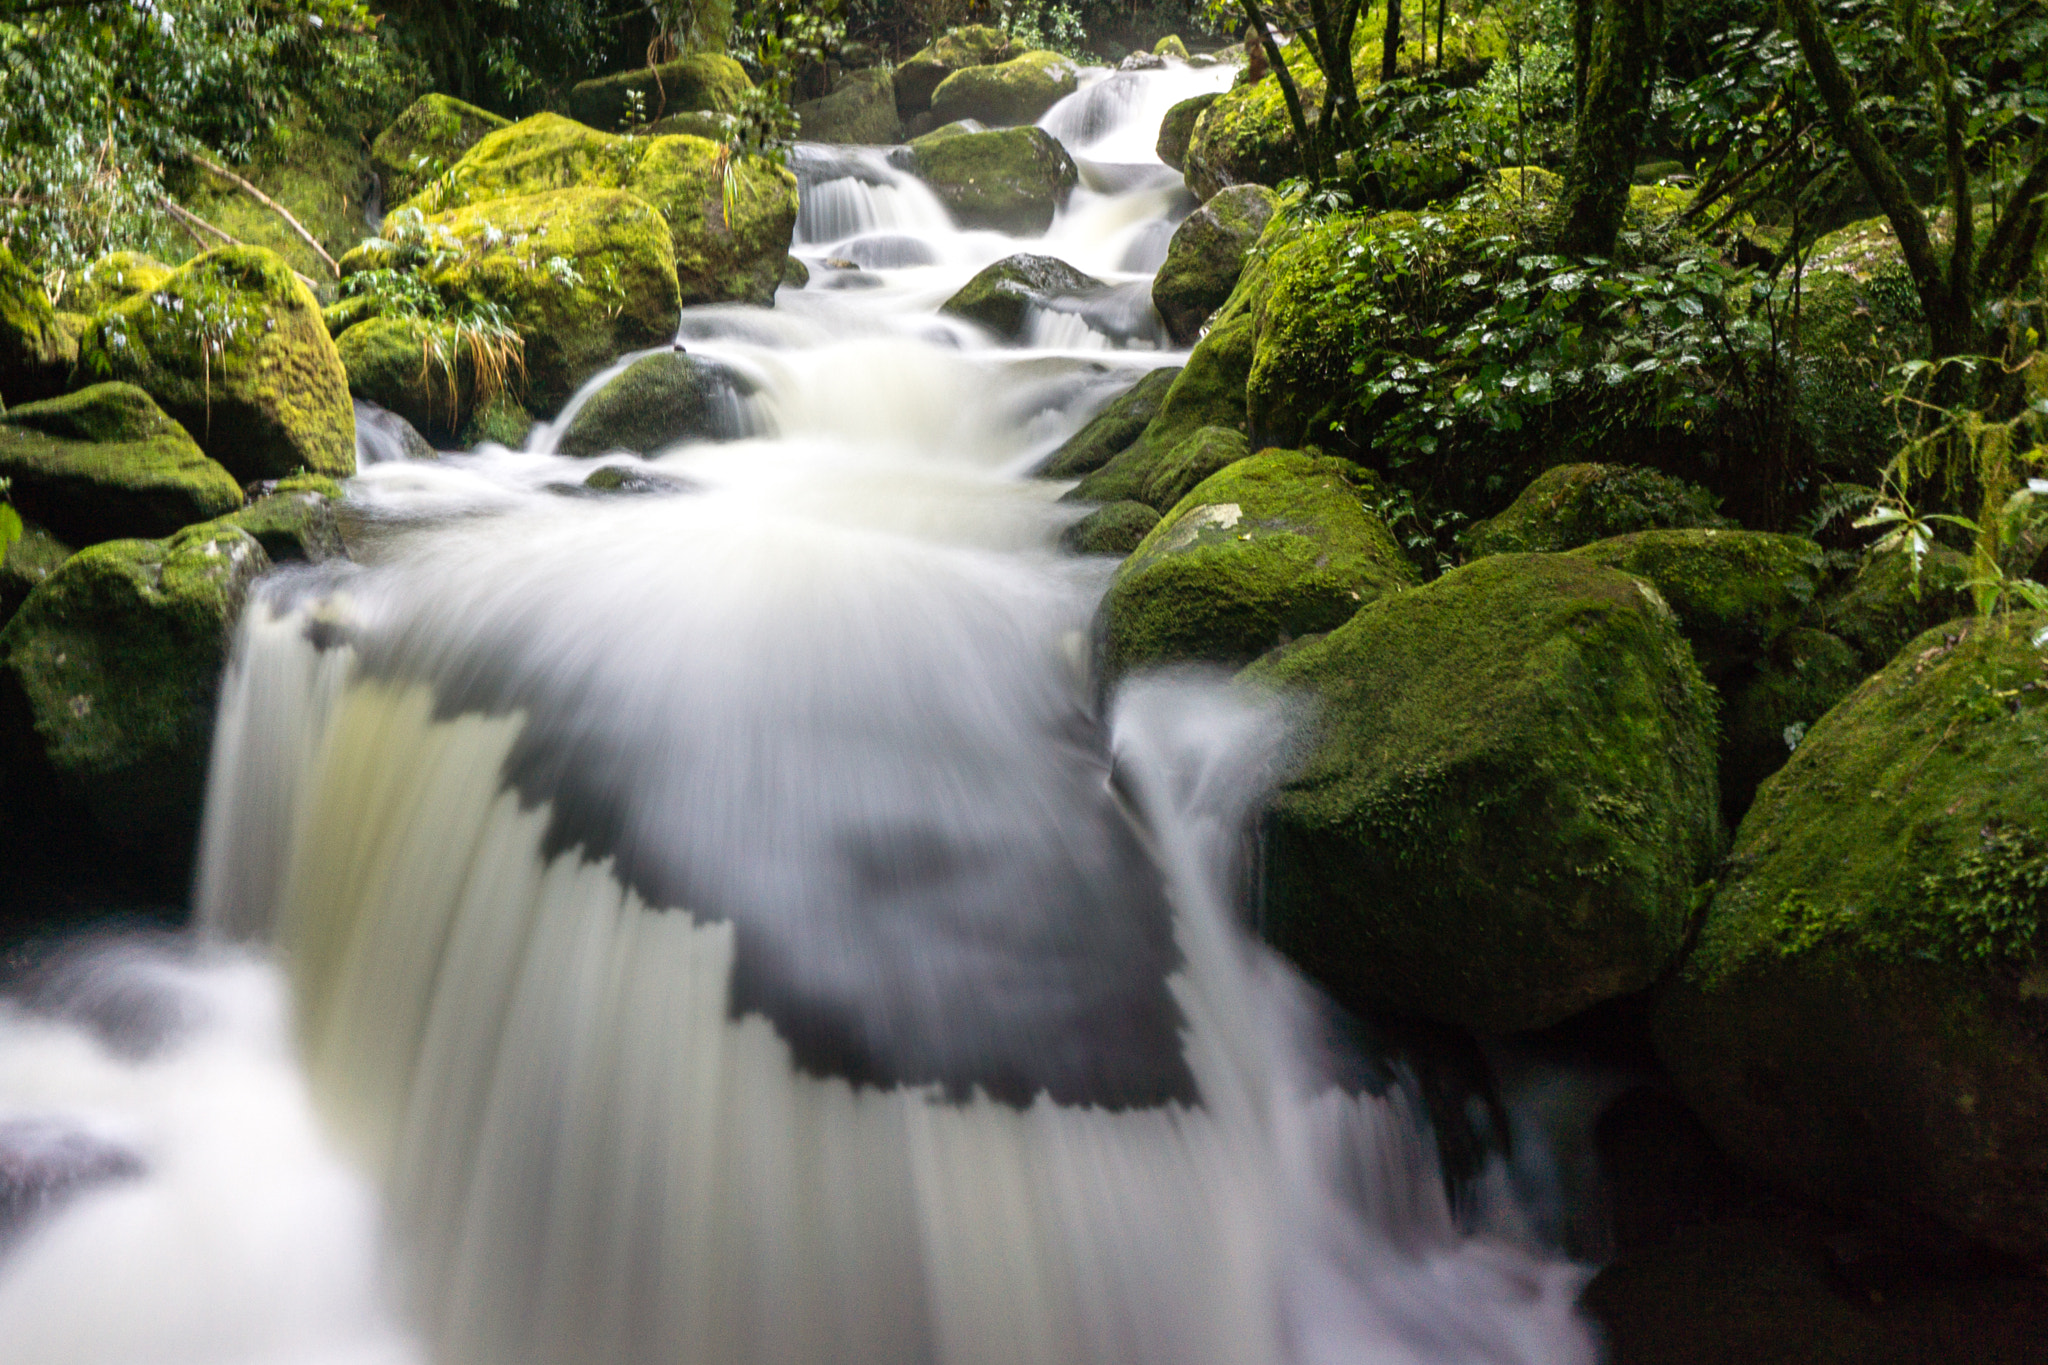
(726, 924)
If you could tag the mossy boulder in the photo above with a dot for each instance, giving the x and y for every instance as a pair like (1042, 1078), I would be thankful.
(1209, 451)
(294, 520)
(427, 139)
(1113, 530)
(1244, 136)
(1111, 430)
(1005, 94)
(582, 274)
(701, 81)
(105, 463)
(1269, 549)
(1177, 129)
(112, 278)
(920, 76)
(1206, 256)
(1577, 504)
(861, 110)
(108, 674)
(1734, 591)
(234, 349)
(36, 352)
(1883, 605)
(719, 257)
(1171, 46)
(30, 558)
(1013, 179)
(402, 365)
(1770, 709)
(345, 314)
(1511, 800)
(658, 401)
(1001, 297)
(1862, 1016)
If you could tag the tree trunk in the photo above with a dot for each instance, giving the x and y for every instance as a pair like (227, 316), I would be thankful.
(1610, 124)
(1390, 45)
(1442, 12)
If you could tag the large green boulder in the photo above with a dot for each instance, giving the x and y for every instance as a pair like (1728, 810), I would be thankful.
(582, 275)
(105, 463)
(861, 110)
(427, 139)
(1881, 607)
(112, 278)
(1206, 256)
(1734, 591)
(1013, 180)
(658, 401)
(1116, 530)
(36, 554)
(1001, 297)
(1019, 90)
(1510, 802)
(1244, 136)
(727, 249)
(294, 520)
(1209, 451)
(1111, 430)
(419, 370)
(234, 348)
(36, 351)
(1862, 1017)
(920, 76)
(701, 81)
(1770, 709)
(108, 674)
(1177, 129)
(1576, 504)
(1269, 549)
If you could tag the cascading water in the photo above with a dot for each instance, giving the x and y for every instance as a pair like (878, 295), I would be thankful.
(722, 926)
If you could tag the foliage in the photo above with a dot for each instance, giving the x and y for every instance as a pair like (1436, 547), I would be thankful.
(10, 520)
(1044, 25)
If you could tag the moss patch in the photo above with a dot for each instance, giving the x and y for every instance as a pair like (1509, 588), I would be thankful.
(659, 401)
(920, 76)
(1177, 129)
(1206, 256)
(1113, 530)
(36, 353)
(1111, 430)
(1000, 297)
(707, 81)
(424, 141)
(112, 278)
(1577, 504)
(1008, 93)
(1012, 180)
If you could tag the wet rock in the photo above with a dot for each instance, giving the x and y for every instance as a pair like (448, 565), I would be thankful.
(382, 435)
(1171, 46)
(46, 1162)
(659, 401)
(424, 141)
(104, 463)
(625, 479)
(702, 81)
(234, 348)
(1178, 128)
(1013, 180)
(36, 351)
(1577, 504)
(1111, 430)
(1206, 257)
(921, 75)
(1245, 138)
(861, 110)
(1862, 1014)
(1510, 802)
(1006, 94)
(1001, 297)
(1207, 452)
(293, 519)
(1265, 551)
(1113, 530)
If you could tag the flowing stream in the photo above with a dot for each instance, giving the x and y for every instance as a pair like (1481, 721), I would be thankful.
(727, 925)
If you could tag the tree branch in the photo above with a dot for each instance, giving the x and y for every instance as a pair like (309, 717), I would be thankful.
(260, 197)
(2005, 258)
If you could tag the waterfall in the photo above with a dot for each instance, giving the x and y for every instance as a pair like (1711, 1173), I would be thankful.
(728, 925)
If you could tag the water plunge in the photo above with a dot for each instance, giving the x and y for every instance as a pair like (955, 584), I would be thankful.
(726, 927)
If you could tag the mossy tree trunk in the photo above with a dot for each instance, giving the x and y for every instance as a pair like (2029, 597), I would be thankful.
(1327, 40)
(1390, 44)
(1611, 114)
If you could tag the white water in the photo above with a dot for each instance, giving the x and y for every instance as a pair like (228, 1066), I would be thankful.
(723, 927)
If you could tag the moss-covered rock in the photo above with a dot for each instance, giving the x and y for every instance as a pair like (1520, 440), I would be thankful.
(341, 316)
(1113, 530)
(706, 81)
(36, 353)
(427, 139)
(719, 257)
(1177, 129)
(1863, 1013)
(1577, 504)
(1734, 591)
(30, 558)
(112, 278)
(1770, 709)
(1269, 549)
(1110, 430)
(234, 348)
(861, 110)
(1017, 91)
(1881, 608)
(1209, 451)
(582, 274)
(920, 76)
(1859, 317)
(320, 176)
(1206, 256)
(1013, 180)
(108, 674)
(105, 463)
(1511, 800)
(294, 520)
(403, 365)
(1000, 298)
(658, 401)
(1171, 46)
(1244, 137)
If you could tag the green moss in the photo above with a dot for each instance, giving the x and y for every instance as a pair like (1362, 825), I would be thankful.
(105, 463)
(400, 364)
(532, 156)
(112, 278)
(1510, 802)
(30, 558)
(1112, 430)
(1000, 297)
(1206, 256)
(1771, 708)
(1008, 93)
(659, 401)
(1171, 46)
(1113, 530)
(36, 354)
(709, 81)
(921, 75)
(1734, 591)
(502, 420)
(861, 110)
(1266, 550)
(233, 347)
(1245, 138)
(1177, 129)
(295, 521)
(339, 317)
(1859, 317)
(1576, 504)
(322, 179)
(1880, 608)
(1012, 180)
(427, 139)
(1209, 451)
